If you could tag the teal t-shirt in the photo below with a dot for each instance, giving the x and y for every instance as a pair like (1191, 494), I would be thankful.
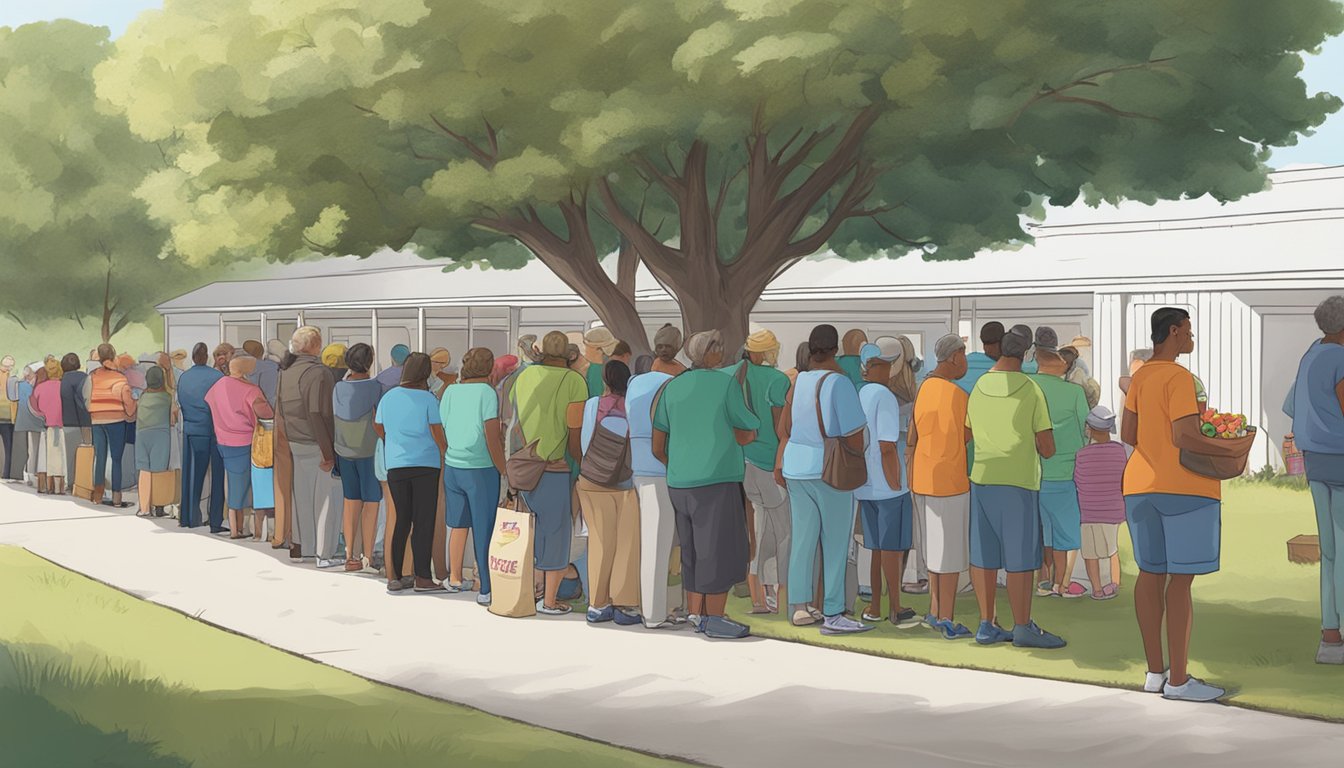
(593, 376)
(1068, 415)
(768, 389)
(464, 410)
(853, 369)
(699, 411)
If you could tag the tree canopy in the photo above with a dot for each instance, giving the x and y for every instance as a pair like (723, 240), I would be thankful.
(717, 141)
(75, 241)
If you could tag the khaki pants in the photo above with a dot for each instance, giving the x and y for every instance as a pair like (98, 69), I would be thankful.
(612, 516)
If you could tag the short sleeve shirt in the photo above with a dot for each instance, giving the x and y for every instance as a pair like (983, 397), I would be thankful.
(841, 412)
(853, 368)
(1005, 412)
(939, 464)
(768, 389)
(1161, 393)
(882, 412)
(543, 394)
(593, 377)
(639, 395)
(464, 410)
(1068, 416)
(699, 411)
(406, 415)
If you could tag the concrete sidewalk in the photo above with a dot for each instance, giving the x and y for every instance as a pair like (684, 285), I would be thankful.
(748, 703)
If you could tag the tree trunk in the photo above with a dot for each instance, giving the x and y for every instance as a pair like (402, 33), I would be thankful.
(719, 306)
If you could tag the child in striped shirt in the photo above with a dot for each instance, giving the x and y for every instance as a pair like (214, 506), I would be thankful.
(1099, 474)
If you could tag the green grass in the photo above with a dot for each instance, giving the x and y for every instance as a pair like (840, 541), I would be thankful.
(1257, 621)
(86, 670)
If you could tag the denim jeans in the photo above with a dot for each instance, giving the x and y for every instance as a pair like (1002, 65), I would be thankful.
(108, 439)
(200, 453)
(819, 513)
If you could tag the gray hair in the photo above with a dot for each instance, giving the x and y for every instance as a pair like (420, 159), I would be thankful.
(1330, 315)
(947, 346)
(1141, 355)
(1015, 343)
(305, 338)
(701, 344)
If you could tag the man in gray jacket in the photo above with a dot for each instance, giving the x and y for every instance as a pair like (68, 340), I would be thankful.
(304, 415)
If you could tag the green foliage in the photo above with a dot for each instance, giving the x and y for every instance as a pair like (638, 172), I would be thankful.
(1269, 476)
(75, 242)
(723, 141)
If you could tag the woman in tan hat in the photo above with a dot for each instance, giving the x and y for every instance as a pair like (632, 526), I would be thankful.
(598, 344)
(440, 376)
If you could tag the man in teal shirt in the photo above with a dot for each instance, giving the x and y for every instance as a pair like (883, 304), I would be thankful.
(701, 422)
(1061, 519)
(849, 362)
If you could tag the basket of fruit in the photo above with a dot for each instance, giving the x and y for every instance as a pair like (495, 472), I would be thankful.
(1233, 446)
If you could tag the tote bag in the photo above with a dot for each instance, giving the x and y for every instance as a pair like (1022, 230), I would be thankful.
(511, 543)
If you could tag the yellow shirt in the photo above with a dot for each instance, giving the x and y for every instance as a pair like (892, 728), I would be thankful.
(1161, 393)
(939, 463)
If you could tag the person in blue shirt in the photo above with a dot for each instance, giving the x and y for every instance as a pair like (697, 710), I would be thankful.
(979, 363)
(391, 377)
(199, 449)
(1316, 405)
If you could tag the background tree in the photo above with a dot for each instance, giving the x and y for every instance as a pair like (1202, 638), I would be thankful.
(717, 142)
(75, 242)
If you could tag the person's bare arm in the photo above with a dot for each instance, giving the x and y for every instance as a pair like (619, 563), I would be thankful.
(1339, 394)
(783, 428)
(441, 440)
(891, 464)
(494, 442)
(377, 430)
(660, 445)
(574, 420)
(744, 436)
(262, 408)
(1045, 443)
(129, 403)
(1129, 428)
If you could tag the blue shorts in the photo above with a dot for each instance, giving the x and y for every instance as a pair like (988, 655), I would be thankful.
(358, 482)
(888, 524)
(1061, 518)
(552, 509)
(238, 466)
(1174, 533)
(470, 494)
(1005, 528)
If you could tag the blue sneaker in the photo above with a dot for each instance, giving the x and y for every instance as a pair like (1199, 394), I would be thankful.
(991, 633)
(627, 618)
(1031, 636)
(931, 621)
(723, 628)
(599, 615)
(951, 631)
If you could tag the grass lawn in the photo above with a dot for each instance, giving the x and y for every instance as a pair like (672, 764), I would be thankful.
(1257, 621)
(91, 676)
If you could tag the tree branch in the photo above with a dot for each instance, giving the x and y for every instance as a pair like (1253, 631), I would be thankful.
(1054, 94)
(860, 186)
(627, 267)
(723, 191)
(19, 320)
(487, 159)
(660, 257)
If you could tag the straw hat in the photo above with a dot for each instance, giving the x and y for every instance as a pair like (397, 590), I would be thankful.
(601, 338)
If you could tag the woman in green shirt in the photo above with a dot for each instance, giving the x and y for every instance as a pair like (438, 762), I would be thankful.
(154, 418)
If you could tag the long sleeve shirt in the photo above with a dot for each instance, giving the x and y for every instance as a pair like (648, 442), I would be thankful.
(305, 404)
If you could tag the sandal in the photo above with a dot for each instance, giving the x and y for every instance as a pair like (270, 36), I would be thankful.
(757, 609)
(802, 618)
(144, 514)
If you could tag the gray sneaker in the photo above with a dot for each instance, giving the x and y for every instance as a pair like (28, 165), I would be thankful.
(1330, 653)
(842, 625)
(1194, 689)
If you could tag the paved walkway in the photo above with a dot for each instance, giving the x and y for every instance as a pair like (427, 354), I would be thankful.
(750, 703)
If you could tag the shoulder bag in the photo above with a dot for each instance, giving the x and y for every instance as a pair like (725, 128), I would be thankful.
(843, 468)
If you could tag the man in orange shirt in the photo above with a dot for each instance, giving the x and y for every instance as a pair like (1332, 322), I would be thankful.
(941, 486)
(1174, 514)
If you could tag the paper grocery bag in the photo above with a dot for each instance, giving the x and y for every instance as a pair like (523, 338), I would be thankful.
(511, 564)
(84, 473)
(165, 488)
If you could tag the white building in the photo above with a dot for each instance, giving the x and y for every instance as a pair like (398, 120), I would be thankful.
(1250, 272)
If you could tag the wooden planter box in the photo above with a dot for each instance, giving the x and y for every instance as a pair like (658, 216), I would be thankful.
(1304, 549)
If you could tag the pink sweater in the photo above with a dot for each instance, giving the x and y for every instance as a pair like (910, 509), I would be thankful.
(231, 408)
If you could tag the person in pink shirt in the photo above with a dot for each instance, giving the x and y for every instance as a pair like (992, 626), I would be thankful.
(1099, 473)
(46, 402)
(235, 405)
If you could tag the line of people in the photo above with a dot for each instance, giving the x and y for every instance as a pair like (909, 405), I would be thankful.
(996, 466)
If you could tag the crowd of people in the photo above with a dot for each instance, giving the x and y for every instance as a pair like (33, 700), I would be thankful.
(992, 469)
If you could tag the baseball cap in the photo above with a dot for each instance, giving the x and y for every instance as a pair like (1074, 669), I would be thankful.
(1101, 419)
(884, 348)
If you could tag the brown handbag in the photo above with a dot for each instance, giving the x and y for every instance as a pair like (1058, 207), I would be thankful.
(525, 468)
(842, 468)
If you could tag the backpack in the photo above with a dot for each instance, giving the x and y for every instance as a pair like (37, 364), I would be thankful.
(607, 460)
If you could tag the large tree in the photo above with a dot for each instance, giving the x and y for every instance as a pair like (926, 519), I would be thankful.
(719, 142)
(75, 242)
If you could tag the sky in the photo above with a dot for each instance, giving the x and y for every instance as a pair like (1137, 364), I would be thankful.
(1324, 72)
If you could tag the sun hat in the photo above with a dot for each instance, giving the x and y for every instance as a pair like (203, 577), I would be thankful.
(601, 338)
(1101, 419)
(885, 348)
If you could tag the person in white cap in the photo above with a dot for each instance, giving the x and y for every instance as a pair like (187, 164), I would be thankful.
(1099, 474)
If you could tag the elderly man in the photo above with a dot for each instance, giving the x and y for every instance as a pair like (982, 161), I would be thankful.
(549, 399)
(767, 390)
(1061, 517)
(598, 346)
(1010, 422)
(267, 372)
(659, 604)
(222, 355)
(200, 452)
(305, 415)
(8, 412)
(939, 483)
(1316, 406)
(700, 424)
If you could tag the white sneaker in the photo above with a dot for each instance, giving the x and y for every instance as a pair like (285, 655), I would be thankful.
(1193, 690)
(1330, 653)
(1156, 682)
(322, 563)
(842, 625)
